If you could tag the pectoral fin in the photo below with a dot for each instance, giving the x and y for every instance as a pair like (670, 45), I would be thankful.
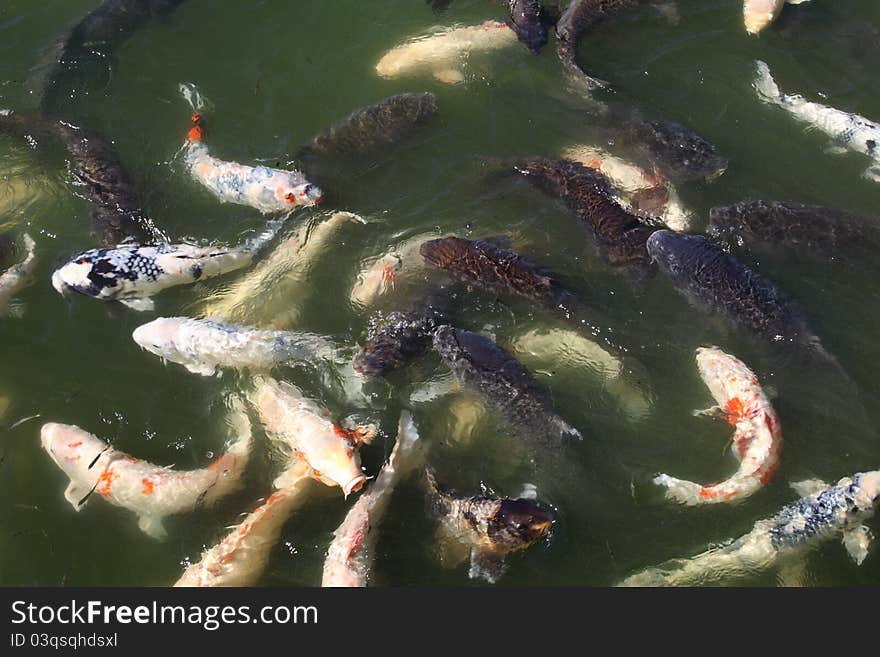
(450, 550)
(139, 305)
(836, 149)
(152, 527)
(201, 368)
(487, 565)
(872, 174)
(713, 413)
(74, 493)
(857, 542)
(449, 76)
(808, 487)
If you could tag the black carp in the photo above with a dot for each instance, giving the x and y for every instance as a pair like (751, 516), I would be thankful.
(807, 229)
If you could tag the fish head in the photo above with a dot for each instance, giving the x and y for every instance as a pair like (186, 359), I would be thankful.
(759, 14)
(76, 275)
(869, 482)
(444, 252)
(72, 449)
(304, 195)
(519, 523)
(161, 337)
(338, 465)
(677, 253)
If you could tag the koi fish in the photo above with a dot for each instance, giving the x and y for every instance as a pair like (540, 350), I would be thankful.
(808, 229)
(491, 528)
(305, 429)
(132, 273)
(759, 14)
(350, 555)
(445, 51)
(849, 132)
(482, 365)
(260, 187)
(150, 491)
(824, 512)
(647, 194)
(266, 297)
(203, 345)
(757, 436)
(241, 557)
(376, 280)
(19, 276)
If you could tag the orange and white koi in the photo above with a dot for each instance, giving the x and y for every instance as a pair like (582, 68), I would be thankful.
(759, 14)
(150, 491)
(443, 53)
(757, 438)
(350, 555)
(645, 193)
(376, 280)
(263, 188)
(303, 427)
(241, 557)
(17, 277)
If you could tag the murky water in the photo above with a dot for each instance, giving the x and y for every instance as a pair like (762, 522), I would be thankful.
(278, 73)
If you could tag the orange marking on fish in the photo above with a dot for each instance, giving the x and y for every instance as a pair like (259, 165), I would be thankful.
(75, 445)
(195, 133)
(149, 487)
(734, 410)
(105, 481)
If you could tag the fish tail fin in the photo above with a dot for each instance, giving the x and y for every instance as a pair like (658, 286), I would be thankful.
(681, 491)
(765, 85)
(409, 452)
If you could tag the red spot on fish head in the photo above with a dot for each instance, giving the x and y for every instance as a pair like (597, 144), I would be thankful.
(149, 487)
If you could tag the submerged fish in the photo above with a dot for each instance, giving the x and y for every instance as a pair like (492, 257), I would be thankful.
(491, 528)
(529, 19)
(757, 436)
(443, 53)
(371, 128)
(620, 234)
(375, 281)
(150, 491)
(92, 41)
(97, 175)
(647, 194)
(306, 429)
(19, 276)
(349, 560)
(718, 282)
(203, 345)
(578, 17)
(679, 152)
(241, 557)
(809, 229)
(825, 512)
(759, 14)
(268, 296)
(260, 187)
(482, 365)
(849, 132)
(133, 273)
(396, 339)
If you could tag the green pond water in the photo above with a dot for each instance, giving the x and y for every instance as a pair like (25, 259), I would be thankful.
(279, 72)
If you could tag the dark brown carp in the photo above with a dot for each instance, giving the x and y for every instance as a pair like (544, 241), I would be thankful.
(490, 527)
(621, 235)
(482, 365)
(372, 128)
(89, 45)
(807, 229)
(98, 176)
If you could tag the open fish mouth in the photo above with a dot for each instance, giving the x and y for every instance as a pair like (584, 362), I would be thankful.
(354, 485)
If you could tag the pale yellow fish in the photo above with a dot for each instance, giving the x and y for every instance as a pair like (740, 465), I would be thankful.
(759, 14)
(444, 53)
(376, 280)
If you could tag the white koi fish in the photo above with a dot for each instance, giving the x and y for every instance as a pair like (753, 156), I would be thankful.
(824, 512)
(241, 557)
(267, 296)
(303, 427)
(350, 555)
(759, 14)
(849, 132)
(132, 273)
(375, 281)
(260, 187)
(150, 491)
(203, 345)
(641, 192)
(567, 352)
(757, 437)
(443, 53)
(17, 277)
